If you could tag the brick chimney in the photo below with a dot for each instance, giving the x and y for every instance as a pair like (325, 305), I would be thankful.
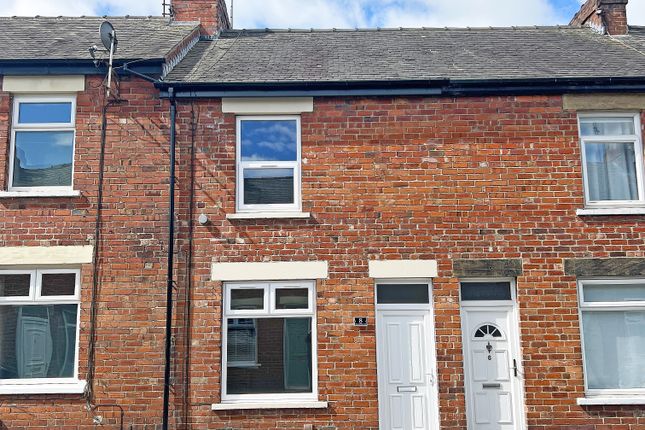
(606, 16)
(212, 14)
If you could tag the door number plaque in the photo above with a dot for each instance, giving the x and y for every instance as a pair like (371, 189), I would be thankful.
(360, 321)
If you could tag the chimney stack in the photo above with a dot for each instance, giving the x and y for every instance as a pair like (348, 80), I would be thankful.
(212, 14)
(605, 16)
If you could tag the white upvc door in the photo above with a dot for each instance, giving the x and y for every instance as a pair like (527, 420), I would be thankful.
(494, 398)
(408, 397)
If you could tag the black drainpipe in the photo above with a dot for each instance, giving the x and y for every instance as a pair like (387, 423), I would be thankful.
(171, 250)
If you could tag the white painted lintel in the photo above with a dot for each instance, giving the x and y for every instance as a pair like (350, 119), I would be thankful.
(45, 255)
(393, 269)
(267, 105)
(273, 271)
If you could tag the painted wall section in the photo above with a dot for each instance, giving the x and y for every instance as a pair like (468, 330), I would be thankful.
(43, 84)
(403, 269)
(279, 271)
(40, 255)
(271, 105)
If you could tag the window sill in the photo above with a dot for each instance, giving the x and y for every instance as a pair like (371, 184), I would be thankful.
(18, 194)
(269, 215)
(76, 387)
(272, 405)
(616, 400)
(611, 211)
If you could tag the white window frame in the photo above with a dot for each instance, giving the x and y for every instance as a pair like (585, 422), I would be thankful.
(636, 139)
(17, 127)
(242, 165)
(269, 289)
(600, 307)
(45, 385)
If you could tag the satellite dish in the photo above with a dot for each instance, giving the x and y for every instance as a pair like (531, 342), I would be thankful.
(108, 36)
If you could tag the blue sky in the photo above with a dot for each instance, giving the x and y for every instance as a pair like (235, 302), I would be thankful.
(342, 13)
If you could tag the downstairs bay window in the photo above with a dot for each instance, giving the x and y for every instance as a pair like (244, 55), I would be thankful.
(269, 342)
(39, 312)
(613, 336)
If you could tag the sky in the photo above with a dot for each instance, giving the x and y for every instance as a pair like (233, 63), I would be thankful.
(342, 13)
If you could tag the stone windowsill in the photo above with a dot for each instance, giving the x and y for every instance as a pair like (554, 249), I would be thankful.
(611, 211)
(75, 387)
(41, 194)
(611, 400)
(268, 215)
(268, 405)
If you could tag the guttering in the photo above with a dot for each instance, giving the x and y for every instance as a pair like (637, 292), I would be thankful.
(74, 67)
(444, 87)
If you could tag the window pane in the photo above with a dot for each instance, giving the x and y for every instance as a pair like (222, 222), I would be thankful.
(268, 186)
(58, 284)
(241, 342)
(607, 127)
(269, 140)
(283, 358)
(485, 291)
(611, 171)
(614, 292)
(247, 299)
(291, 298)
(614, 349)
(402, 293)
(43, 158)
(34, 113)
(14, 285)
(37, 341)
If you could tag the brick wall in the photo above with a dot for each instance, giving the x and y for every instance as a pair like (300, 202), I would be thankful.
(384, 178)
(413, 178)
(131, 309)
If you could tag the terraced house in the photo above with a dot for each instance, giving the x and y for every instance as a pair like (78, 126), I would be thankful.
(371, 229)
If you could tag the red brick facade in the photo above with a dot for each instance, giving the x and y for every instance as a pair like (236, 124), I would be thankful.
(384, 178)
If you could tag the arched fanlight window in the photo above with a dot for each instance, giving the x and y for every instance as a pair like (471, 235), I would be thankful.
(488, 330)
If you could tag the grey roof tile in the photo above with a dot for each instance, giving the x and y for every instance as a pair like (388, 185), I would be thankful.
(260, 56)
(67, 38)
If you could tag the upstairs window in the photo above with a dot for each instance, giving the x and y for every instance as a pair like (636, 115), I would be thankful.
(612, 160)
(42, 143)
(268, 164)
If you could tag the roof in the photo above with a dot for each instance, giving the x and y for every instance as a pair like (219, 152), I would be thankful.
(469, 54)
(67, 38)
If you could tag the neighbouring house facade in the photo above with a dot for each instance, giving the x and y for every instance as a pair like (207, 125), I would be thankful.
(374, 229)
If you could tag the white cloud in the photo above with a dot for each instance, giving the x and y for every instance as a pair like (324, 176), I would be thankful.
(392, 13)
(636, 12)
(79, 7)
(340, 13)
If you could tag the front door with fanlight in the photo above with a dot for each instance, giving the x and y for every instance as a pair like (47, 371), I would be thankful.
(494, 399)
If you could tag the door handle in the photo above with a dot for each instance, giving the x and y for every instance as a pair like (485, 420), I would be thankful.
(515, 367)
(495, 385)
